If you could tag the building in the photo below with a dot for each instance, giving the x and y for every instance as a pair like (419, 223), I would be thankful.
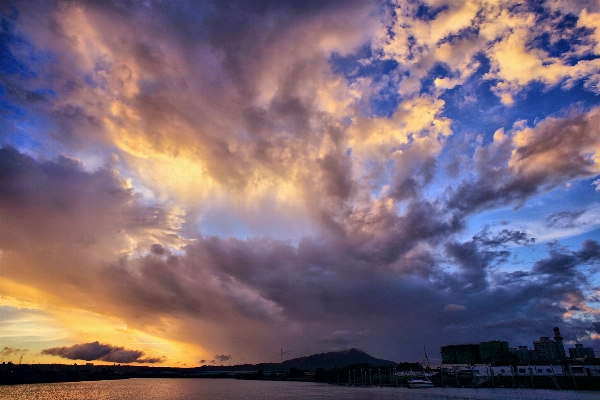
(581, 352)
(524, 354)
(484, 352)
(493, 351)
(461, 354)
(547, 349)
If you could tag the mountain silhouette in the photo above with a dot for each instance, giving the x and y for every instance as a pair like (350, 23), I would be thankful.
(329, 360)
(337, 359)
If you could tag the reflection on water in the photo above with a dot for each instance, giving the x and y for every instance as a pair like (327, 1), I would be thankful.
(218, 389)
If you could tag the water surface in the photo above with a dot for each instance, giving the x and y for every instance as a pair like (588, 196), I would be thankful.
(221, 389)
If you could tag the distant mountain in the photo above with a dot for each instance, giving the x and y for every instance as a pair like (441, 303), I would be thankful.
(330, 360)
(334, 359)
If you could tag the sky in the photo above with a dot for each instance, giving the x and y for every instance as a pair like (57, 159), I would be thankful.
(220, 182)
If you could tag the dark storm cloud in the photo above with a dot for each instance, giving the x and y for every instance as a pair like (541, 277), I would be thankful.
(380, 234)
(265, 279)
(49, 201)
(413, 175)
(561, 262)
(158, 249)
(238, 32)
(259, 279)
(23, 180)
(382, 265)
(554, 286)
(102, 352)
(473, 264)
(337, 176)
(490, 186)
(476, 257)
(72, 222)
(504, 237)
(166, 286)
(311, 286)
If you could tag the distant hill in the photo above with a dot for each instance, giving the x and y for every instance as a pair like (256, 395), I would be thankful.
(334, 359)
(330, 360)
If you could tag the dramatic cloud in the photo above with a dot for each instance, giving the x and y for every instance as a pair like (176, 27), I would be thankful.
(527, 161)
(238, 177)
(425, 34)
(101, 352)
(563, 263)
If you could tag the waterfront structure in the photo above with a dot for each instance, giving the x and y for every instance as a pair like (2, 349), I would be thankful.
(506, 370)
(584, 370)
(483, 370)
(498, 352)
(540, 370)
(581, 352)
(547, 349)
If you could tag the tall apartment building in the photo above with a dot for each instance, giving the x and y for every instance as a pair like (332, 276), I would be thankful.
(547, 349)
(492, 351)
(461, 354)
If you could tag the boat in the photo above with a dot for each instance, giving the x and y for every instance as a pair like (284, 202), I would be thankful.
(420, 383)
(422, 380)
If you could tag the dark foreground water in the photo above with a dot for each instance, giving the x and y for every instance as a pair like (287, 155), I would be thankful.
(220, 389)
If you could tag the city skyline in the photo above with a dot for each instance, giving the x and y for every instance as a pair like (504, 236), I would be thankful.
(197, 181)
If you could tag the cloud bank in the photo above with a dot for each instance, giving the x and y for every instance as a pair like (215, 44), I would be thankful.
(101, 352)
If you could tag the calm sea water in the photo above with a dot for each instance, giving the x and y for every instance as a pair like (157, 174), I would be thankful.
(220, 389)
